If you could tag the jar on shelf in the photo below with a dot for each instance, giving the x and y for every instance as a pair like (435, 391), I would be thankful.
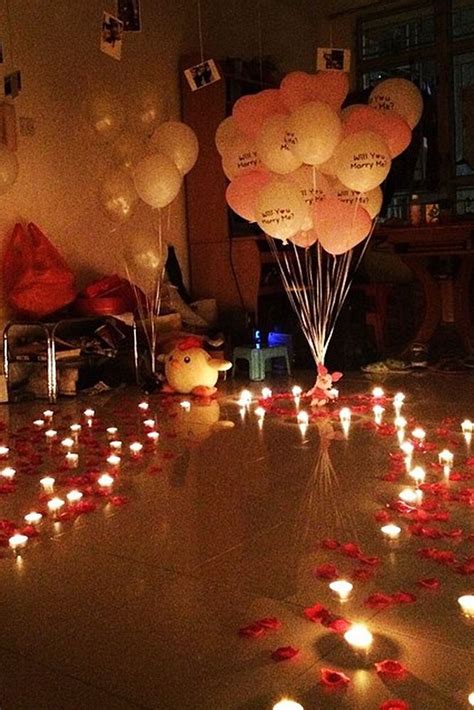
(415, 211)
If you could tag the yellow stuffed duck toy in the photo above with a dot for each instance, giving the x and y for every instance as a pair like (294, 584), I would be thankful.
(191, 370)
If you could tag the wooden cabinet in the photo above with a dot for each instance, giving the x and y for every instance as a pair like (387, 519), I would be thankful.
(223, 265)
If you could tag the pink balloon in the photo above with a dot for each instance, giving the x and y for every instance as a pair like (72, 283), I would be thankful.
(304, 239)
(299, 88)
(392, 127)
(242, 193)
(340, 226)
(250, 112)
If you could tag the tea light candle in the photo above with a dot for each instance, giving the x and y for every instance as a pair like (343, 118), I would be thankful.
(68, 443)
(345, 414)
(333, 393)
(105, 481)
(342, 588)
(72, 459)
(467, 426)
(359, 637)
(245, 398)
(260, 412)
(287, 704)
(17, 541)
(149, 423)
(400, 422)
(378, 411)
(377, 393)
(408, 495)
(48, 414)
(39, 423)
(153, 436)
(143, 406)
(471, 699)
(74, 496)
(33, 518)
(50, 435)
(55, 504)
(8, 473)
(116, 446)
(185, 405)
(296, 391)
(418, 474)
(89, 413)
(48, 484)
(136, 449)
(445, 457)
(266, 393)
(302, 418)
(114, 460)
(419, 434)
(75, 428)
(466, 602)
(398, 399)
(4, 451)
(391, 531)
(407, 448)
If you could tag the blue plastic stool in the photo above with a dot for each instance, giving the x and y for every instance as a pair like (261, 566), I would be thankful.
(257, 359)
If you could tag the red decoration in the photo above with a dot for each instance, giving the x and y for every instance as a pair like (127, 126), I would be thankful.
(284, 653)
(333, 679)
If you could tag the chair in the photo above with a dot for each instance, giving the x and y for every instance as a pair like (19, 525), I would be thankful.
(259, 358)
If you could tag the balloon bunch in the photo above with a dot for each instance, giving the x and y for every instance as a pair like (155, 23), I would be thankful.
(307, 171)
(148, 162)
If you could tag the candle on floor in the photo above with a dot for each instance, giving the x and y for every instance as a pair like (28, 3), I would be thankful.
(136, 449)
(153, 436)
(400, 422)
(8, 473)
(302, 417)
(149, 423)
(112, 432)
(4, 451)
(407, 448)
(359, 637)
(74, 496)
(39, 423)
(50, 435)
(378, 411)
(398, 399)
(333, 393)
(105, 481)
(48, 484)
(114, 460)
(345, 414)
(377, 393)
(55, 504)
(391, 531)
(116, 446)
(296, 391)
(260, 412)
(75, 429)
(287, 704)
(48, 414)
(471, 699)
(68, 443)
(89, 415)
(410, 496)
(266, 393)
(72, 459)
(418, 474)
(245, 398)
(466, 602)
(185, 405)
(342, 588)
(419, 434)
(17, 541)
(445, 457)
(143, 406)
(33, 518)
(467, 426)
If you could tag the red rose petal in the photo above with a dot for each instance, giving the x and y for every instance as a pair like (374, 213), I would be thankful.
(326, 571)
(388, 667)
(284, 653)
(330, 544)
(315, 613)
(378, 600)
(403, 598)
(253, 631)
(333, 679)
(429, 583)
(394, 705)
(269, 622)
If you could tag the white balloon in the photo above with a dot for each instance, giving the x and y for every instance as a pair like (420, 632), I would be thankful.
(118, 196)
(178, 141)
(240, 158)
(157, 180)
(362, 161)
(400, 96)
(314, 130)
(226, 134)
(280, 210)
(272, 147)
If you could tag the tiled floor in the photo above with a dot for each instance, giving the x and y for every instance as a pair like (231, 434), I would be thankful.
(139, 605)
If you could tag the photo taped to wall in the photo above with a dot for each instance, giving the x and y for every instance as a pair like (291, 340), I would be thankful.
(201, 75)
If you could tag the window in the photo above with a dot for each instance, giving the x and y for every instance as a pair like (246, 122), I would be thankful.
(433, 45)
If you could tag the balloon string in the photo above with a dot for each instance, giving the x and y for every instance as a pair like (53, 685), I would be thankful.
(260, 41)
(201, 45)
(9, 29)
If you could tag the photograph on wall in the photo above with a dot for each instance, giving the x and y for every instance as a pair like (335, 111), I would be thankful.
(128, 12)
(12, 84)
(111, 36)
(201, 75)
(332, 59)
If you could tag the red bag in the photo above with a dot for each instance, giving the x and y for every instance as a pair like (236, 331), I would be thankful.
(37, 280)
